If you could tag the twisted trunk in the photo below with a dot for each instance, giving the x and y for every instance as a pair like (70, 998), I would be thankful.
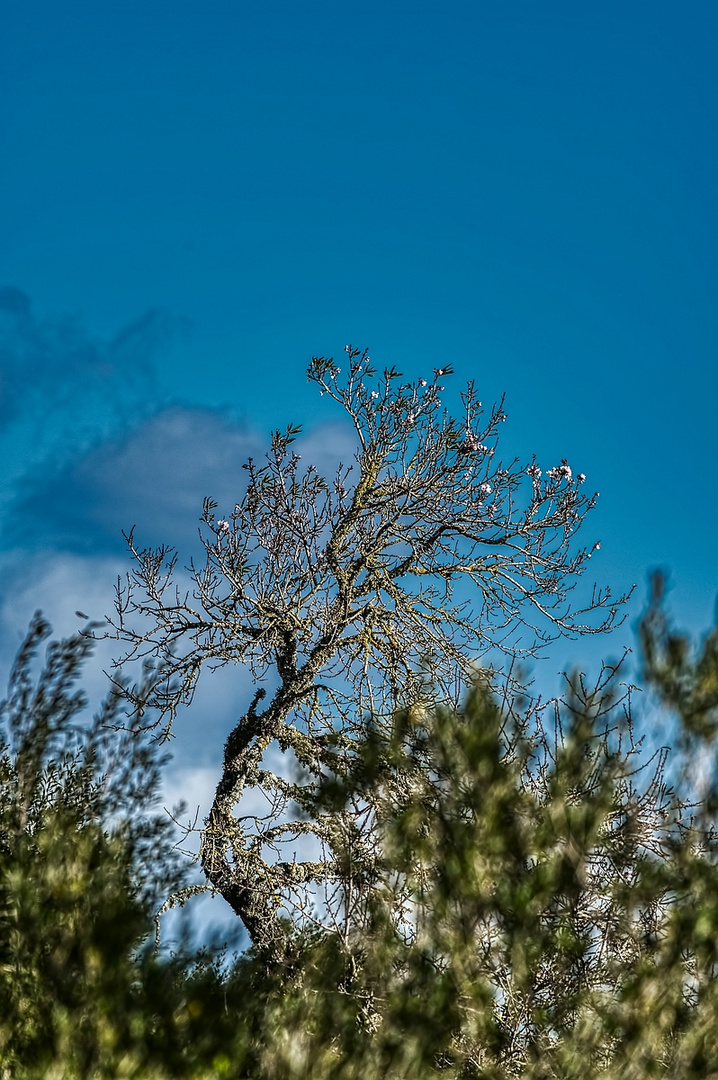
(249, 885)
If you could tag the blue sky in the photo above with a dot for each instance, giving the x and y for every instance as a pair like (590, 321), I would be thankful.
(195, 200)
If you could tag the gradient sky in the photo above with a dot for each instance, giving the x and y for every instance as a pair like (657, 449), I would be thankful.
(195, 200)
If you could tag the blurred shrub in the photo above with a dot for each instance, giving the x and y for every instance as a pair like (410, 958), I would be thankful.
(544, 903)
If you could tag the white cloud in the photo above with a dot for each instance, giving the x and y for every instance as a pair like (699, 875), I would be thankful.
(156, 477)
(58, 584)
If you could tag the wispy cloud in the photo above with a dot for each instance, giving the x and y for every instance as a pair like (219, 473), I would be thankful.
(155, 477)
(90, 448)
(63, 389)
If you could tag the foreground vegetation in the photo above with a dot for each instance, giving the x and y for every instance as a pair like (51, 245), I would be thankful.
(541, 898)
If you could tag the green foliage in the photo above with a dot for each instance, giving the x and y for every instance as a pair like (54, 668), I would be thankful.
(539, 902)
(83, 865)
(545, 906)
(495, 933)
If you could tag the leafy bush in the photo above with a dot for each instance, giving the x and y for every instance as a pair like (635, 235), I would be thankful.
(84, 864)
(540, 900)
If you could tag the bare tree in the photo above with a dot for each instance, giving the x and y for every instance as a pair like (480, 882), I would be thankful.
(342, 592)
